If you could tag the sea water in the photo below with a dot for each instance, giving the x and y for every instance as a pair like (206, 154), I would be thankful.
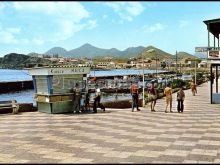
(26, 96)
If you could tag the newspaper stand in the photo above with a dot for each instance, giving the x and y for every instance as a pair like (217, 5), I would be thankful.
(53, 86)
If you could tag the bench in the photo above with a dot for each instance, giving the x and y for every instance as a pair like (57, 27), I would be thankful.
(10, 104)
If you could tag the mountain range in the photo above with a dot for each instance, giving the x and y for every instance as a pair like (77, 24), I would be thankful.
(90, 51)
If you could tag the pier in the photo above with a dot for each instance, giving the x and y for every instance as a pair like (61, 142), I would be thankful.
(6, 87)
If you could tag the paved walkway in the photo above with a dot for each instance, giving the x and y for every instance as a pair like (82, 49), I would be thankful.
(116, 136)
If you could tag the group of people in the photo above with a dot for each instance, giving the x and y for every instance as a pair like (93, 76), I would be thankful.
(153, 95)
(81, 105)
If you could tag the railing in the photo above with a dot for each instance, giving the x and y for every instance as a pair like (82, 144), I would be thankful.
(214, 48)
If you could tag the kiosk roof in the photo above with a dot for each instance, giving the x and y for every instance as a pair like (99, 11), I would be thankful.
(213, 26)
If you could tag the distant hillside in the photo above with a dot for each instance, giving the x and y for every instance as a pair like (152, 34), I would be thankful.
(132, 51)
(201, 54)
(153, 52)
(19, 61)
(181, 55)
(91, 51)
(57, 50)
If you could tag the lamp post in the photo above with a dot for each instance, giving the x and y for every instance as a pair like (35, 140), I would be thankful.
(195, 71)
(176, 65)
(156, 67)
(148, 51)
(143, 79)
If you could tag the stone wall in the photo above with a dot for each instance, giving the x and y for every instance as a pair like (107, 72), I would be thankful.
(23, 107)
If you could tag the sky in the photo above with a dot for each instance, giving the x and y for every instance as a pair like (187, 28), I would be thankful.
(37, 26)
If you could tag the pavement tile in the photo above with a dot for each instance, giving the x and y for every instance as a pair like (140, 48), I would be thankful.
(117, 135)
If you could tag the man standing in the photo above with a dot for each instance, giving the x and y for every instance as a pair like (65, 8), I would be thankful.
(134, 93)
(152, 96)
(180, 100)
(97, 101)
(76, 98)
(168, 93)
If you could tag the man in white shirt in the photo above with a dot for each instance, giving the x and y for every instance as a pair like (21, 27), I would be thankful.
(97, 100)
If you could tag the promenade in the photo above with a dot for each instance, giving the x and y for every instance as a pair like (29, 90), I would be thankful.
(117, 135)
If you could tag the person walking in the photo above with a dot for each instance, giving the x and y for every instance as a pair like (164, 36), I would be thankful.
(97, 100)
(168, 93)
(134, 93)
(180, 100)
(193, 88)
(152, 96)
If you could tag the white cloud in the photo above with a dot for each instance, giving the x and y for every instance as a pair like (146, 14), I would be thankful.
(7, 35)
(67, 17)
(92, 24)
(67, 10)
(153, 28)
(66, 30)
(69, 28)
(134, 8)
(183, 23)
(126, 10)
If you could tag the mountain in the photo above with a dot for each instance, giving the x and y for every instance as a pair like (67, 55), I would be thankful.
(19, 61)
(88, 50)
(201, 54)
(133, 51)
(181, 55)
(153, 52)
(57, 50)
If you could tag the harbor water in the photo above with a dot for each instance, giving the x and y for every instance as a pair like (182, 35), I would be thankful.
(8, 75)
(26, 96)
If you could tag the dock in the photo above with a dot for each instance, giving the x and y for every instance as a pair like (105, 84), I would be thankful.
(13, 86)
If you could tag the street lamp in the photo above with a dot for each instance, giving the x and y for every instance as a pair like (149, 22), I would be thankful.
(143, 78)
(148, 51)
(195, 71)
(156, 66)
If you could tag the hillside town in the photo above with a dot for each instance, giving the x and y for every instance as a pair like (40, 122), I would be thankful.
(149, 58)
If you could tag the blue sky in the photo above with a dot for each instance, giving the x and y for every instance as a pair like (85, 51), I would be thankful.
(38, 26)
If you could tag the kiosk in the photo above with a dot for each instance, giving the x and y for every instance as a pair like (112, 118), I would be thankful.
(53, 86)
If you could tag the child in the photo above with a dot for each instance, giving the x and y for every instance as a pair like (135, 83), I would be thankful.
(193, 88)
(180, 99)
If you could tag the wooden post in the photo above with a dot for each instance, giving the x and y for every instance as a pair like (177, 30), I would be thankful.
(218, 42)
(214, 40)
